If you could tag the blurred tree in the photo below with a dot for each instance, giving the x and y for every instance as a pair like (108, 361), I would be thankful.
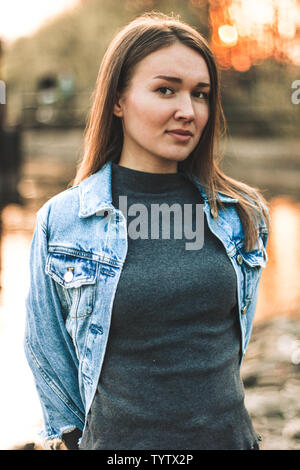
(77, 39)
(75, 42)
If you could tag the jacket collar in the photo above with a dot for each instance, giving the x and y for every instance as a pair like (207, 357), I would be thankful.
(95, 192)
(201, 187)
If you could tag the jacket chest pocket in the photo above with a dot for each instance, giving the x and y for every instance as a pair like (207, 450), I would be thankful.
(76, 282)
(251, 264)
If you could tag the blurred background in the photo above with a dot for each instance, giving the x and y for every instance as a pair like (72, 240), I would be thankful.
(49, 59)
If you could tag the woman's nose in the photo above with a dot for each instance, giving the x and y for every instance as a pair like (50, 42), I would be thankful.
(185, 109)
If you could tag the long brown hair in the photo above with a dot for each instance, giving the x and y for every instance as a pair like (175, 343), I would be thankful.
(103, 137)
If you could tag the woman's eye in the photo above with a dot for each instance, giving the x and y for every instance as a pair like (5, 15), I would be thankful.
(167, 91)
(205, 95)
(163, 89)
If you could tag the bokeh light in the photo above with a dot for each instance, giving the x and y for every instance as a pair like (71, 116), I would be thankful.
(247, 32)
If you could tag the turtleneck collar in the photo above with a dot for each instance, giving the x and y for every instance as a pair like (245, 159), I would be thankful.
(144, 182)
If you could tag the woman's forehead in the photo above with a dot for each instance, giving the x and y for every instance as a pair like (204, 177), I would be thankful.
(177, 61)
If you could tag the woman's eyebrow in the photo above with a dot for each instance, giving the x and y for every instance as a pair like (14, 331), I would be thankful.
(178, 80)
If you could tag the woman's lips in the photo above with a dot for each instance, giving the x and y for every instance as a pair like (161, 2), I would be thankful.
(179, 137)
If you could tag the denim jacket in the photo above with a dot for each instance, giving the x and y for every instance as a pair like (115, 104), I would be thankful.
(77, 253)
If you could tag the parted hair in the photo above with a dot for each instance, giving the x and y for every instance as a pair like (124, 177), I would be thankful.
(103, 135)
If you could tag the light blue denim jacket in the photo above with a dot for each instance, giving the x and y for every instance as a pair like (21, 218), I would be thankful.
(78, 249)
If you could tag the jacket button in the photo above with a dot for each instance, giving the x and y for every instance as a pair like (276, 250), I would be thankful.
(239, 259)
(69, 275)
(244, 310)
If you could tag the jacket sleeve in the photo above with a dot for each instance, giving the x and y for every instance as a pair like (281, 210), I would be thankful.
(48, 347)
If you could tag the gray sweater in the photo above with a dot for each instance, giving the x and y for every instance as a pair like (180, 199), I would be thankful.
(170, 377)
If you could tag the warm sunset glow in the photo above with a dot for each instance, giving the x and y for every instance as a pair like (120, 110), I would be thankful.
(293, 52)
(20, 18)
(246, 32)
(280, 284)
(250, 14)
(241, 62)
(228, 35)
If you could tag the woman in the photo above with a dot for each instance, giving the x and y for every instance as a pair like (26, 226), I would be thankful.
(135, 337)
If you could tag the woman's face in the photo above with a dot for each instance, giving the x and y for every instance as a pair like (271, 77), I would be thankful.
(168, 91)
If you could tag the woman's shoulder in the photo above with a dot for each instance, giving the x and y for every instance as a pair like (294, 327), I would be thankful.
(254, 199)
(62, 206)
(259, 206)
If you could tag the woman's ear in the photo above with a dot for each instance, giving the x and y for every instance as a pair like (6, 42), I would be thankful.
(118, 110)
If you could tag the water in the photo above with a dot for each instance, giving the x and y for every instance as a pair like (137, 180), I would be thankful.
(279, 290)
(19, 407)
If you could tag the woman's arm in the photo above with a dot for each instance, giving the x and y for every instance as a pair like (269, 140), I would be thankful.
(48, 347)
